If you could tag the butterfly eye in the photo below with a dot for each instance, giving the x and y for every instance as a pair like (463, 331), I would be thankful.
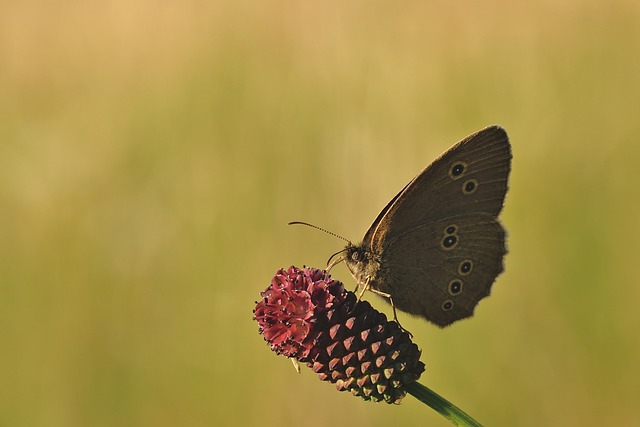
(447, 305)
(465, 267)
(457, 170)
(470, 186)
(355, 256)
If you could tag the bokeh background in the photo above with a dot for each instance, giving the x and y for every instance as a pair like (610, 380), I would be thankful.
(151, 154)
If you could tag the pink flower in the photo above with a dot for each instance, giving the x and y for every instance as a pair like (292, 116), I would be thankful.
(307, 315)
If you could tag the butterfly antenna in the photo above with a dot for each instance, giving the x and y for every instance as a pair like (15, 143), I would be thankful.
(341, 252)
(319, 228)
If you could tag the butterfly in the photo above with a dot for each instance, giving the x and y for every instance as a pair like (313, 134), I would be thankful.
(437, 247)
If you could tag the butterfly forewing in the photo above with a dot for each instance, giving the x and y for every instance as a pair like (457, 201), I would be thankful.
(478, 184)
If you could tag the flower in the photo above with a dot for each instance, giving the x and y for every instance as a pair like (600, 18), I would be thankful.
(307, 315)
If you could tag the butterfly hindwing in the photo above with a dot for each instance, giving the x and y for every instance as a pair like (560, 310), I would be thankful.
(441, 270)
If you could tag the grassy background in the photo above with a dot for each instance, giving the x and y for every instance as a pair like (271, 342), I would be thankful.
(151, 154)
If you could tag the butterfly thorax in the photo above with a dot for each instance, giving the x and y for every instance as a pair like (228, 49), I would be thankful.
(362, 263)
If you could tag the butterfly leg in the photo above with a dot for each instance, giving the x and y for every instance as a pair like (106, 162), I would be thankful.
(361, 293)
(364, 289)
(393, 307)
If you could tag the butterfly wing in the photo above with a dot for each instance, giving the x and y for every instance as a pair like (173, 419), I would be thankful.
(462, 192)
(470, 177)
(441, 269)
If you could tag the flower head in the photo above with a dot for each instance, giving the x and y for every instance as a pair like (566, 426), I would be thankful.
(307, 315)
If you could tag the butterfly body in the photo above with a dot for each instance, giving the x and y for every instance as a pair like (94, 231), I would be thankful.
(437, 247)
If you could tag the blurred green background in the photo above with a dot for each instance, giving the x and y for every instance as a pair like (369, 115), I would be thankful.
(151, 154)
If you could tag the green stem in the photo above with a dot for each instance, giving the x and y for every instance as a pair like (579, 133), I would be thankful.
(441, 405)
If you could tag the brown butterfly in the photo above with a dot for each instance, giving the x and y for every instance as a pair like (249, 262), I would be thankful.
(437, 247)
